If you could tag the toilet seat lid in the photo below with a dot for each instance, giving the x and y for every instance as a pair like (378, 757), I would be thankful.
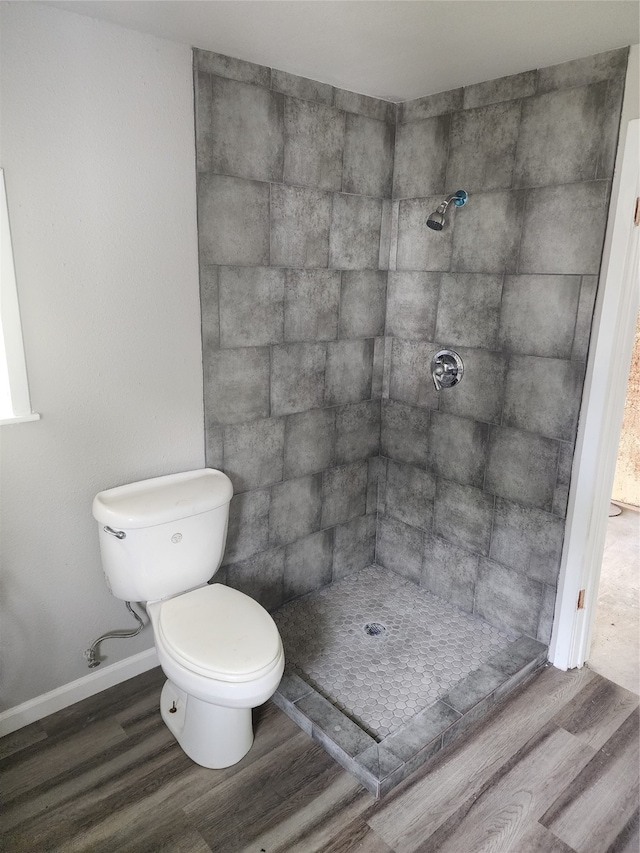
(220, 631)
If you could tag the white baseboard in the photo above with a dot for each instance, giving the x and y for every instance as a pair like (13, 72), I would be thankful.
(97, 681)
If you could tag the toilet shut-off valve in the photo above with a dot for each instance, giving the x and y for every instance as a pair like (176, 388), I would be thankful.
(446, 369)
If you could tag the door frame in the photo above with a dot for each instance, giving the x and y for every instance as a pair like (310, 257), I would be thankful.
(600, 419)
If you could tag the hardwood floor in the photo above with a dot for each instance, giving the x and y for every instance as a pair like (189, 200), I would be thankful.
(554, 769)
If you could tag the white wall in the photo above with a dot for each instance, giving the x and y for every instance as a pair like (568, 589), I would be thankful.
(96, 139)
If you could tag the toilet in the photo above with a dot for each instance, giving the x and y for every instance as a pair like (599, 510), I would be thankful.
(161, 541)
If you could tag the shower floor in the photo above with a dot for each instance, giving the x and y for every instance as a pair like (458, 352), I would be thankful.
(383, 673)
(380, 681)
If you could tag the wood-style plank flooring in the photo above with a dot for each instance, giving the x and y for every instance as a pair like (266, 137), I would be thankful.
(554, 769)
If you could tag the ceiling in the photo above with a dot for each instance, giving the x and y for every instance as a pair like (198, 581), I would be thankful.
(395, 49)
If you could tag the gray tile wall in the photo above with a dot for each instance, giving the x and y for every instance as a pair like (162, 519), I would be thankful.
(324, 296)
(294, 177)
(477, 476)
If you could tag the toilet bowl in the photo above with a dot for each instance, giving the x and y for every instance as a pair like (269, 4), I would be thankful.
(160, 541)
(223, 656)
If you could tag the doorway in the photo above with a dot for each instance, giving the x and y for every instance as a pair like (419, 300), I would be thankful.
(600, 420)
(615, 644)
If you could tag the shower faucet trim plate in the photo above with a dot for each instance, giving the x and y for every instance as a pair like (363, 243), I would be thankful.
(446, 369)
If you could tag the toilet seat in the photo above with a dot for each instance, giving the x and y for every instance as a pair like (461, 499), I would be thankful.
(220, 633)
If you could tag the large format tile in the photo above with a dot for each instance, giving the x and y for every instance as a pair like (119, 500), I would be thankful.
(480, 393)
(354, 545)
(312, 303)
(203, 123)
(469, 310)
(355, 232)
(362, 303)
(409, 494)
(231, 68)
(307, 564)
(248, 531)
(404, 433)
(363, 105)
(253, 453)
(233, 220)
(449, 571)
(297, 377)
(357, 431)
(551, 123)
(501, 89)
(314, 141)
(421, 157)
(368, 156)
(561, 492)
(586, 304)
(563, 229)
(427, 726)
(209, 308)
(213, 439)
(381, 368)
(345, 733)
(236, 384)
(419, 247)
(611, 127)
(344, 493)
(412, 302)
(349, 371)
(251, 306)
(261, 577)
(301, 87)
(521, 467)
(547, 614)
(482, 148)
(457, 449)
(507, 598)
(376, 483)
(463, 516)
(410, 379)
(539, 314)
(295, 509)
(581, 72)
(300, 221)
(399, 548)
(543, 395)
(431, 105)
(310, 442)
(487, 232)
(528, 540)
(248, 136)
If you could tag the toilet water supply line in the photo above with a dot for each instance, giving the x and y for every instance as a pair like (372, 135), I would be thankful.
(91, 653)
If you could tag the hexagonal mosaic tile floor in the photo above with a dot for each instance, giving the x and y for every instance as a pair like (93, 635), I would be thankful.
(381, 648)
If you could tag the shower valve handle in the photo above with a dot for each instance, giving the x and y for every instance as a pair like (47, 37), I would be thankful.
(446, 369)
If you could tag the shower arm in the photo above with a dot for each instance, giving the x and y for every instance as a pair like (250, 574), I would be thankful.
(458, 200)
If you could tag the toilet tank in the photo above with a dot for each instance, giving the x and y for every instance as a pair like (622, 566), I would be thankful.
(163, 536)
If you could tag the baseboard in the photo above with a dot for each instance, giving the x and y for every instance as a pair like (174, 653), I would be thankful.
(97, 681)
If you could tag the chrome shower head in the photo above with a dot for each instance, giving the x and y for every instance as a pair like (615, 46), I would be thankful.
(437, 219)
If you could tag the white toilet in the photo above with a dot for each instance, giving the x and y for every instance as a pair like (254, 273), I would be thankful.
(161, 540)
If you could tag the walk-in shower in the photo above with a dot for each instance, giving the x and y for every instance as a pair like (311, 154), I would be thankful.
(404, 527)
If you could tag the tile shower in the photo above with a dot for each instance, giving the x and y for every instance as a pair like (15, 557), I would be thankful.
(358, 488)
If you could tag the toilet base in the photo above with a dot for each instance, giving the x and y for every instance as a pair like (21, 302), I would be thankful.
(210, 735)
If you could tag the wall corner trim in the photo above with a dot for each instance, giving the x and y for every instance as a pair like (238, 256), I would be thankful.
(55, 700)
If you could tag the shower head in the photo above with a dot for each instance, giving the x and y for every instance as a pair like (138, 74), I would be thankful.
(437, 219)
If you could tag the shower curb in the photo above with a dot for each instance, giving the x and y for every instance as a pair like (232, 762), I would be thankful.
(381, 765)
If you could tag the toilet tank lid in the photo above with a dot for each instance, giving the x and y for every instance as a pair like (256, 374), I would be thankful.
(162, 499)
